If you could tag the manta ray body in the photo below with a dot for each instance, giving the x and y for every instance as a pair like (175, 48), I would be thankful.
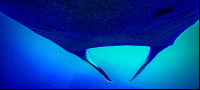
(77, 25)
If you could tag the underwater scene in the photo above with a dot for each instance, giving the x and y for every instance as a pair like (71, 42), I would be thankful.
(97, 44)
(28, 60)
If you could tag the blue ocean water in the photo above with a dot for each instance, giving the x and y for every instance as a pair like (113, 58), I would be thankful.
(28, 60)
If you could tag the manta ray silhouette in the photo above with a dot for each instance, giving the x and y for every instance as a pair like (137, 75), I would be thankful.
(77, 25)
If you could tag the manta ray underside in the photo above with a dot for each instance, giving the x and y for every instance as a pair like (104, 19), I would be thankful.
(79, 25)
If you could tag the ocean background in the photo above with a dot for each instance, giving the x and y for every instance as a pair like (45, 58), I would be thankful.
(28, 60)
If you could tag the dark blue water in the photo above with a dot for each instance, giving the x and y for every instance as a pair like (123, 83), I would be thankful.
(27, 60)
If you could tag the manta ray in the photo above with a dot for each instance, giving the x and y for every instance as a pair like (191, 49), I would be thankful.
(77, 25)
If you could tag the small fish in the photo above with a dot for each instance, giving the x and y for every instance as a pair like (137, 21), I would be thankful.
(79, 25)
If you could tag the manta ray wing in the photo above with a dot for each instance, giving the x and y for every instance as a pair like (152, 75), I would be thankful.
(163, 32)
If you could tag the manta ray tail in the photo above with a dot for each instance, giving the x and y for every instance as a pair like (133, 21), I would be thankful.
(84, 55)
(153, 52)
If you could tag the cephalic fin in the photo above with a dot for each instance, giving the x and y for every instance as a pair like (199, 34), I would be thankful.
(84, 55)
(153, 52)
